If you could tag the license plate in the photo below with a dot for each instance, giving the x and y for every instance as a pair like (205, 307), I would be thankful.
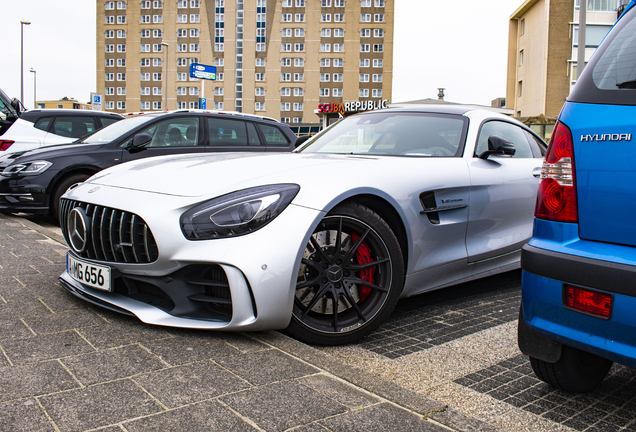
(95, 276)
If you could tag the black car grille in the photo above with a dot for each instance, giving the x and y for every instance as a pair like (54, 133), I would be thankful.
(113, 235)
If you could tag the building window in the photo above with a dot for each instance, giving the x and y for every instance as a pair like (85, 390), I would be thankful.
(194, 47)
(298, 119)
(194, 32)
(261, 47)
(286, 32)
(110, 48)
(364, 63)
(285, 106)
(337, 92)
(338, 32)
(324, 92)
(195, 4)
(259, 76)
(219, 62)
(325, 3)
(145, 33)
(218, 91)
(284, 119)
(338, 62)
(182, 47)
(285, 62)
(379, 3)
(110, 105)
(121, 76)
(364, 78)
(365, 47)
(121, 34)
(156, 91)
(219, 47)
(220, 76)
(145, 47)
(377, 63)
(109, 5)
(109, 91)
(182, 4)
(182, 62)
(156, 76)
(521, 58)
(259, 106)
(299, 47)
(299, 18)
(378, 33)
(145, 105)
(324, 77)
(195, 18)
(365, 18)
(194, 91)
(339, 3)
(145, 4)
(337, 77)
(287, 3)
(157, 33)
(325, 18)
(157, 47)
(110, 77)
(260, 62)
(121, 48)
(299, 77)
(376, 93)
(285, 47)
(365, 33)
(285, 91)
(338, 17)
(145, 91)
(325, 47)
(181, 91)
(259, 91)
(121, 62)
(285, 77)
(378, 18)
(121, 19)
(157, 19)
(522, 25)
(181, 105)
(298, 91)
(325, 62)
(325, 32)
(109, 34)
(338, 47)
(218, 105)
(377, 78)
(363, 93)
(109, 62)
(299, 32)
(299, 62)
(145, 76)
(378, 47)
(520, 88)
(157, 4)
(300, 3)
(182, 18)
(157, 62)
(110, 20)
(145, 19)
(156, 105)
(121, 105)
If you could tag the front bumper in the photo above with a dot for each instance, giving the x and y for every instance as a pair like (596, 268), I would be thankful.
(21, 195)
(256, 272)
(545, 272)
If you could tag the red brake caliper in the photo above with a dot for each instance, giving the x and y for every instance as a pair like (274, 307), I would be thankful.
(363, 256)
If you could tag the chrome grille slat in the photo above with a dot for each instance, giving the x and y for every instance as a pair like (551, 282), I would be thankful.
(115, 235)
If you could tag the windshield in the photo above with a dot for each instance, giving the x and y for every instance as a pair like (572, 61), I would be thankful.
(116, 130)
(394, 134)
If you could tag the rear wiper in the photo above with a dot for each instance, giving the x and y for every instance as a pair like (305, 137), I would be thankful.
(627, 84)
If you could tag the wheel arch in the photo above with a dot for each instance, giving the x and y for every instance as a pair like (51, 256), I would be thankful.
(63, 175)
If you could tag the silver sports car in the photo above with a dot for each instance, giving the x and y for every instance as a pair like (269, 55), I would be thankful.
(321, 242)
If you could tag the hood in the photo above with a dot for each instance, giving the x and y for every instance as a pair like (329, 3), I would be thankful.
(46, 153)
(194, 175)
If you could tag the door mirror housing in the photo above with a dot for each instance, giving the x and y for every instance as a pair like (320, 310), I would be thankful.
(140, 142)
(498, 145)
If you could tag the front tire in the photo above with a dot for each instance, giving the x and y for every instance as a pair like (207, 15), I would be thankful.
(350, 278)
(576, 371)
(54, 205)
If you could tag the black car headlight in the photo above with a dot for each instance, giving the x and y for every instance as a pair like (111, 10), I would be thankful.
(237, 213)
(27, 168)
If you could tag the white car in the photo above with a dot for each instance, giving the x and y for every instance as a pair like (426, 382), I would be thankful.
(321, 242)
(41, 127)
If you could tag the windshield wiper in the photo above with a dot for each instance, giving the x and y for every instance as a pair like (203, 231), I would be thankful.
(627, 84)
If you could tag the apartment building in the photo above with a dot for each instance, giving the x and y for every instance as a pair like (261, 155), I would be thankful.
(542, 51)
(278, 58)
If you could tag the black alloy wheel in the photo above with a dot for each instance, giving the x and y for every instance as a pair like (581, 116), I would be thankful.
(350, 278)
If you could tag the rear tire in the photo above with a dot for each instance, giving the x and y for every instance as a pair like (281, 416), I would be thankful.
(576, 371)
(54, 205)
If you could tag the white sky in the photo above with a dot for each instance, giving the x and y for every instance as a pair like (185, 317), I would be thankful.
(460, 45)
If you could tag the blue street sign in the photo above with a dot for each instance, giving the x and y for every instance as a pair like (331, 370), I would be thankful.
(203, 71)
(203, 103)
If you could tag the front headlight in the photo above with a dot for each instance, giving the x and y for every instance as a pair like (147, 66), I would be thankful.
(27, 168)
(237, 213)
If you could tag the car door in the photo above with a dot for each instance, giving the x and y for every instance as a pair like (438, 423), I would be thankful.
(503, 193)
(175, 135)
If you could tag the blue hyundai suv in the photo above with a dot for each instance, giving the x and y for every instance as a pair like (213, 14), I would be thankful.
(578, 309)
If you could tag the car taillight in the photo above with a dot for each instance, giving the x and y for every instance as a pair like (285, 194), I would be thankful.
(587, 301)
(556, 199)
(5, 144)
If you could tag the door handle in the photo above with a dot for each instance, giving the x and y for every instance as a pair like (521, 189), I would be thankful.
(536, 171)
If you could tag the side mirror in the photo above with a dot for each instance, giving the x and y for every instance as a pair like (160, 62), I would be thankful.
(498, 145)
(301, 140)
(140, 142)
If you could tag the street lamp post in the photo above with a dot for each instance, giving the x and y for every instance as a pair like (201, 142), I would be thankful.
(22, 24)
(35, 104)
(166, 85)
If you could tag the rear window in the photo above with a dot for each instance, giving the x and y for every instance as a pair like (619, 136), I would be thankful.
(610, 76)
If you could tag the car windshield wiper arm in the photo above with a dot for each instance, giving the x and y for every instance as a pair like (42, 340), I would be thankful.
(627, 84)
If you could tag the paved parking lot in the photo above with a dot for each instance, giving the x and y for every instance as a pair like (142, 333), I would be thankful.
(445, 360)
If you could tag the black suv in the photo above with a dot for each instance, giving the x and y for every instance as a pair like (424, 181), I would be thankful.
(33, 181)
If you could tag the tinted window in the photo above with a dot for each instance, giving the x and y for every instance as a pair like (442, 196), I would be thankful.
(253, 135)
(610, 76)
(174, 132)
(391, 133)
(43, 123)
(224, 132)
(273, 135)
(511, 132)
(106, 121)
(73, 127)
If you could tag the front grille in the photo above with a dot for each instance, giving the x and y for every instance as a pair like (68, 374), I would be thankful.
(113, 235)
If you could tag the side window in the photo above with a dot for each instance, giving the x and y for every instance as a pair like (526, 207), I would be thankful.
(511, 132)
(174, 132)
(107, 121)
(73, 127)
(273, 135)
(224, 132)
(43, 123)
(254, 140)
